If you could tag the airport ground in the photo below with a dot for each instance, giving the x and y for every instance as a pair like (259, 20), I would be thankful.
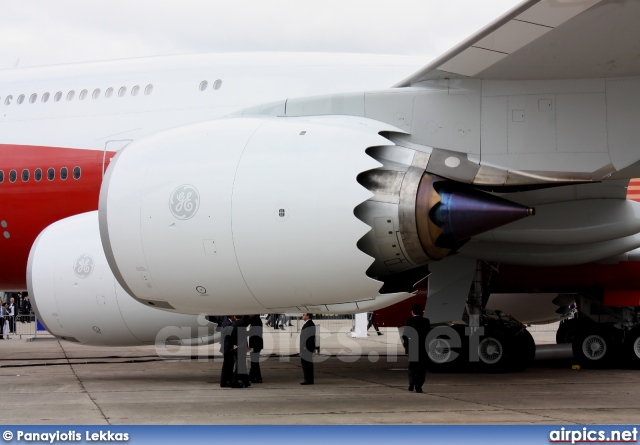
(358, 381)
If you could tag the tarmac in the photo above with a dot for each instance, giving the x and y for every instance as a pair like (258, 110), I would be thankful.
(358, 381)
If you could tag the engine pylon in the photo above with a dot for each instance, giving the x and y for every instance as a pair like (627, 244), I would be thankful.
(449, 213)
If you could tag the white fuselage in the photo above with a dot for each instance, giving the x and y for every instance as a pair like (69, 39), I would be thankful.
(171, 92)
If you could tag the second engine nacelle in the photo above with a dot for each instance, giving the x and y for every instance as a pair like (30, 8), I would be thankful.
(76, 297)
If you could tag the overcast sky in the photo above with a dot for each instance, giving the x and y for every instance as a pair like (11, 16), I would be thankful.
(42, 32)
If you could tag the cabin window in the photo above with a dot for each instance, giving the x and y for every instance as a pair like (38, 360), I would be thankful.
(45, 97)
(25, 175)
(76, 172)
(135, 90)
(122, 91)
(108, 93)
(58, 96)
(8, 100)
(83, 95)
(203, 85)
(33, 98)
(64, 173)
(20, 99)
(96, 93)
(1, 176)
(70, 95)
(148, 90)
(13, 175)
(51, 174)
(217, 84)
(37, 175)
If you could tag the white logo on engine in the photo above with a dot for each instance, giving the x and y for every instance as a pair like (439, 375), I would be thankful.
(83, 267)
(184, 202)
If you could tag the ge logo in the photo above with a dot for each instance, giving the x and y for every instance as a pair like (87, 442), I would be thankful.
(83, 267)
(184, 202)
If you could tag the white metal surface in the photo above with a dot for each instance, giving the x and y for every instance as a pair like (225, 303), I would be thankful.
(77, 298)
(273, 227)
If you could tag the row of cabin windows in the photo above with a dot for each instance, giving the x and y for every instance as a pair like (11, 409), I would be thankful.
(82, 96)
(37, 174)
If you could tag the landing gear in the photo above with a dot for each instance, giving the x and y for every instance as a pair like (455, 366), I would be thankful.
(447, 349)
(595, 347)
(506, 344)
(631, 348)
(492, 353)
(569, 328)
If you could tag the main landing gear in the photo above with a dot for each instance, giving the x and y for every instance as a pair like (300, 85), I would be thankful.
(480, 340)
(499, 344)
(602, 336)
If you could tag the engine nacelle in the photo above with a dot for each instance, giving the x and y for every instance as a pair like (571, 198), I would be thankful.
(254, 215)
(76, 297)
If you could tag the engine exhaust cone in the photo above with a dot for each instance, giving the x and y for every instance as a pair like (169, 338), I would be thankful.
(449, 213)
(465, 212)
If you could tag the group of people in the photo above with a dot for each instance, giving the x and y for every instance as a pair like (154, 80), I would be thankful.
(278, 321)
(14, 311)
(243, 333)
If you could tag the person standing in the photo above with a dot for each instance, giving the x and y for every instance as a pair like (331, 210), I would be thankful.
(12, 315)
(414, 337)
(5, 321)
(226, 374)
(239, 342)
(307, 346)
(256, 344)
(372, 322)
(26, 309)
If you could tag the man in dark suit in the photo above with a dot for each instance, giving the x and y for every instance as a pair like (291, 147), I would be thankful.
(26, 309)
(307, 346)
(239, 342)
(226, 375)
(414, 337)
(255, 346)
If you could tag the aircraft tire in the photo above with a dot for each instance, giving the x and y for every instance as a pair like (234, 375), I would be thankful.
(443, 357)
(494, 351)
(594, 347)
(631, 347)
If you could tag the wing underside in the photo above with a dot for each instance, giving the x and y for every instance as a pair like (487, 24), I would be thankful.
(547, 39)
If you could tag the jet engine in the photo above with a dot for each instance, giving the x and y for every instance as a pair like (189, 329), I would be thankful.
(282, 214)
(76, 297)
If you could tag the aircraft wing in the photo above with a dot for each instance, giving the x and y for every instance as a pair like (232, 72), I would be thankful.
(547, 39)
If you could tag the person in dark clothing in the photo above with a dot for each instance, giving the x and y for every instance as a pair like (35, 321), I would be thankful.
(414, 337)
(255, 346)
(226, 375)
(26, 309)
(307, 346)
(372, 322)
(239, 342)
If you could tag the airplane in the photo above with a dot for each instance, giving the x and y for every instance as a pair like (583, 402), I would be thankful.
(61, 126)
(515, 147)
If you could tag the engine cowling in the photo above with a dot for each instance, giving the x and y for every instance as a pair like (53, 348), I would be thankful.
(255, 215)
(76, 297)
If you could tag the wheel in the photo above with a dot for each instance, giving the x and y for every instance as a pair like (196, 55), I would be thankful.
(631, 348)
(493, 352)
(524, 350)
(569, 328)
(594, 347)
(443, 355)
